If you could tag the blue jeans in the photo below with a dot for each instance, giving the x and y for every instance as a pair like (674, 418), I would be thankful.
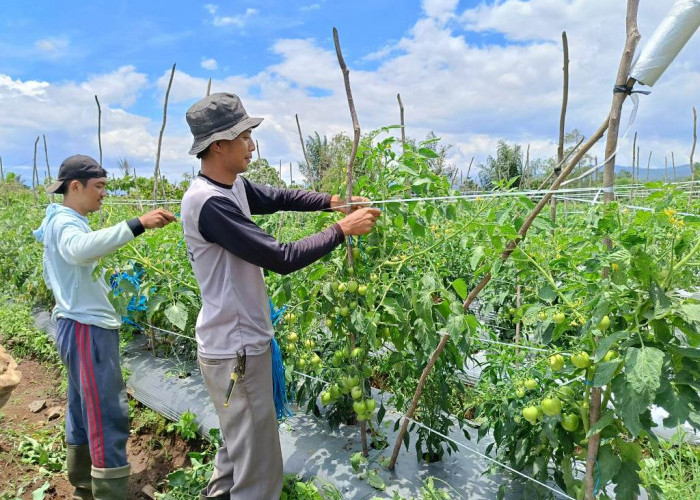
(97, 412)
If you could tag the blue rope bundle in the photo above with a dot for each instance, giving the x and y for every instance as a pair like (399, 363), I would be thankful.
(279, 384)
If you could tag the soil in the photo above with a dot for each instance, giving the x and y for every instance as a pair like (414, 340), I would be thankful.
(152, 455)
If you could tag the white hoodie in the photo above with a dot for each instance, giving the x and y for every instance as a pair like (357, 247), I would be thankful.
(71, 252)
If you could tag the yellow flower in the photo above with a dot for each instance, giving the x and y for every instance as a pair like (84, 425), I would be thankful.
(615, 266)
(478, 198)
(669, 212)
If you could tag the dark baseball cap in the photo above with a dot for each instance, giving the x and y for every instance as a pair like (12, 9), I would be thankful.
(217, 117)
(76, 167)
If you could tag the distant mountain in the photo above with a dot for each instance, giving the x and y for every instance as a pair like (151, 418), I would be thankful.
(657, 174)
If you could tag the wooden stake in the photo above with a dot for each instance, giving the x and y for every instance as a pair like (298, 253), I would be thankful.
(303, 150)
(48, 167)
(692, 152)
(348, 196)
(562, 120)
(403, 125)
(634, 149)
(649, 164)
(673, 164)
(35, 174)
(631, 42)
(99, 126)
(4, 184)
(485, 280)
(209, 88)
(156, 174)
(257, 148)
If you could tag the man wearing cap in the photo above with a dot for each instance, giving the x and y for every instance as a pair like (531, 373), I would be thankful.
(87, 327)
(228, 252)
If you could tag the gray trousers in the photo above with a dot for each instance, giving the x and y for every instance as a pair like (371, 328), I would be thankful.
(248, 466)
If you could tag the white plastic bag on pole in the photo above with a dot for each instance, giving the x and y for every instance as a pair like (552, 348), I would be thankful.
(667, 41)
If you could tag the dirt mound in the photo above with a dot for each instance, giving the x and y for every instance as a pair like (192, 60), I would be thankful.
(10, 376)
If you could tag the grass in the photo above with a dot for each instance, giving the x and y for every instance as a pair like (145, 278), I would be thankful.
(673, 471)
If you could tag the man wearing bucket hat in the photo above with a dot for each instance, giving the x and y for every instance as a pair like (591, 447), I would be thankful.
(228, 252)
(87, 327)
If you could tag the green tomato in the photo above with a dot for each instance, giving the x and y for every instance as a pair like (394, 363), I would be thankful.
(551, 406)
(346, 351)
(352, 286)
(292, 337)
(315, 361)
(530, 414)
(520, 392)
(530, 384)
(309, 343)
(291, 348)
(342, 287)
(542, 316)
(356, 392)
(367, 371)
(359, 407)
(559, 318)
(329, 323)
(351, 271)
(610, 355)
(353, 305)
(362, 290)
(335, 391)
(357, 352)
(370, 405)
(556, 362)
(301, 363)
(581, 359)
(356, 253)
(335, 286)
(570, 422)
(604, 323)
(326, 398)
(565, 392)
(373, 277)
(344, 311)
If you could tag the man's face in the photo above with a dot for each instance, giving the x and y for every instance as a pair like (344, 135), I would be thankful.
(89, 197)
(239, 152)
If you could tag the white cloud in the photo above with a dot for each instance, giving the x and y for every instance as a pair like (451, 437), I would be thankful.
(440, 9)
(209, 64)
(238, 20)
(52, 46)
(313, 6)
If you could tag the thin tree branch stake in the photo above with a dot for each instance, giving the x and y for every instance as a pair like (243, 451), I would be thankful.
(351, 161)
(99, 126)
(35, 174)
(562, 119)
(692, 152)
(48, 167)
(303, 149)
(160, 136)
(403, 125)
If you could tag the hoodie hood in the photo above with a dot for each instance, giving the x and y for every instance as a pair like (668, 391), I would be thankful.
(52, 211)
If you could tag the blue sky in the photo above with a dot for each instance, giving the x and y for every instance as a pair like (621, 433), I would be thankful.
(473, 72)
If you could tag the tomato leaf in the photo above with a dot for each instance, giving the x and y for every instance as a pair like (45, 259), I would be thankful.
(177, 315)
(605, 372)
(606, 419)
(460, 287)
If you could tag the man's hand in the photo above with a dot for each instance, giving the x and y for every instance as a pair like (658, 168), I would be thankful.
(156, 218)
(339, 205)
(360, 221)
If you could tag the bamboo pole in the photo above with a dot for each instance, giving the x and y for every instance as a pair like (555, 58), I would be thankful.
(291, 179)
(348, 196)
(649, 165)
(281, 181)
(403, 125)
(257, 148)
(156, 174)
(209, 88)
(665, 169)
(562, 120)
(526, 168)
(303, 150)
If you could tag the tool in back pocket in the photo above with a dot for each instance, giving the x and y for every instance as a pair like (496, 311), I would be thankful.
(238, 373)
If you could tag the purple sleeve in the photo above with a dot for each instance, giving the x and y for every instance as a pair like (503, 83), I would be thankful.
(222, 222)
(267, 200)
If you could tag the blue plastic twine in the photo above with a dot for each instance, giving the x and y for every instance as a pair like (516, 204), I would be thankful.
(279, 384)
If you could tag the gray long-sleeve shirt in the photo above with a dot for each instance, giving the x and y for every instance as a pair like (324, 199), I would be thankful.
(228, 252)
